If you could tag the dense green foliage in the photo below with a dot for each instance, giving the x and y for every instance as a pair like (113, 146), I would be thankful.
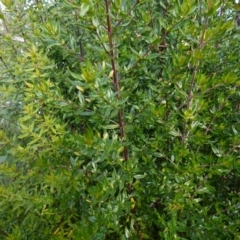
(119, 119)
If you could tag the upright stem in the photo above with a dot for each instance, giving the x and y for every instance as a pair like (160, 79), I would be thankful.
(193, 78)
(115, 76)
(6, 66)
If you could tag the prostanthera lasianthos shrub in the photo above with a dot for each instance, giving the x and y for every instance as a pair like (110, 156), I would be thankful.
(119, 120)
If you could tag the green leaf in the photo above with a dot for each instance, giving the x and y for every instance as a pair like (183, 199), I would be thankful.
(138, 176)
(76, 76)
(84, 9)
(216, 151)
(86, 113)
(111, 126)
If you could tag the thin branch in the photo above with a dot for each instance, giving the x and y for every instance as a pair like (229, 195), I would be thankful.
(6, 30)
(6, 66)
(194, 74)
(201, 185)
(120, 21)
(115, 76)
(99, 38)
(151, 15)
(210, 124)
(81, 51)
(137, 62)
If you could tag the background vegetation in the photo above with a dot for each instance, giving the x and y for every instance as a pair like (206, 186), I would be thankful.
(119, 120)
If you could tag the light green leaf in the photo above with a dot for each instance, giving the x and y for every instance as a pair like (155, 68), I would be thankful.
(111, 126)
(138, 176)
(83, 10)
(216, 151)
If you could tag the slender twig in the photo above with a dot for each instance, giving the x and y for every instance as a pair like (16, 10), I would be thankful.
(137, 62)
(99, 38)
(162, 45)
(81, 52)
(151, 15)
(200, 185)
(201, 45)
(6, 30)
(6, 66)
(210, 124)
(194, 74)
(120, 21)
(222, 8)
(115, 76)
(111, 52)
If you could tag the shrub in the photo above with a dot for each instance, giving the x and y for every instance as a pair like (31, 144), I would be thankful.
(119, 120)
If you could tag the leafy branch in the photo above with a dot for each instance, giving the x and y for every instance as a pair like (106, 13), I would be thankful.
(192, 81)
